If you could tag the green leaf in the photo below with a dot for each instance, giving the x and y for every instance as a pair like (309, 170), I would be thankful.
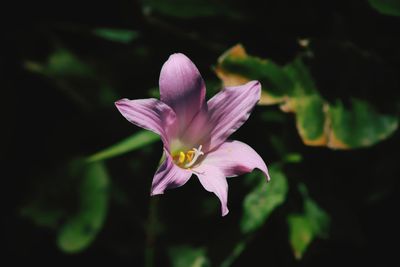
(235, 67)
(138, 140)
(386, 7)
(304, 228)
(318, 122)
(300, 234)
(319, 219)
(293, 158)
(116, 35)
(263, 200)
(361, 125)
(301, 77)
(310, 119)
(79, 231)
(186, 256)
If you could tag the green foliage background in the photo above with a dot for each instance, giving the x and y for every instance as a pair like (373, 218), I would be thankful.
(76, 174)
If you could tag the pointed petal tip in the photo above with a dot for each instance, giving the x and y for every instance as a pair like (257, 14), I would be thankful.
(156, 192)
(266, 174)
(121, 103)
(225, 211)
(264, 169)
(256, 85)
(268, 177)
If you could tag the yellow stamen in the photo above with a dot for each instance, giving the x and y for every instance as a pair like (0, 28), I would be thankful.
(189, 155)
(187, 159)
(181, 157)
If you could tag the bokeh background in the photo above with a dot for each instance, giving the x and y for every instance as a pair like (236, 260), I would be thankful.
(76, 174)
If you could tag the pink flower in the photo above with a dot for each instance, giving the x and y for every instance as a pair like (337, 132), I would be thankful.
(195, 132)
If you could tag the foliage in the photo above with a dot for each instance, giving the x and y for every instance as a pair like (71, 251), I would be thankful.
(386, 7)
(305, 227)
(186, 256)
(77, 175)
(318, 122)
(135, 141)
(80, 229)
(116, 35)
(259, 203)
(77, 227)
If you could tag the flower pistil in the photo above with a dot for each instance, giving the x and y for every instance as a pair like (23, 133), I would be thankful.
(188, 159)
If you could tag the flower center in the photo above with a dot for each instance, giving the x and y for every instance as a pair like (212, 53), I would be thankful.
(187, 159)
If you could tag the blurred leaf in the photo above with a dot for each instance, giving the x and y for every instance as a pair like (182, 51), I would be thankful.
(51, 198)
(305, 227)
(360, 126)
(293, 158)
(235, 67)
(138, 140)
(64, 63)
(186, 9)
(301, 234)
(319, 219)
(60, 63)
(76, 79)
(41, 215)
(186, 256)
(272, 116)
(310, 120)
(154, 92)
(386, 7)
(318, 122)
(116, 35)
(301, 78)
(80, 230)
(263, 200)
(236, 252)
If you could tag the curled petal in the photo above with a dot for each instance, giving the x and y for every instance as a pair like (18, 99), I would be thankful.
(213, 180)
(229, 109)
(234, 158)
(182, 88)
(150, 114)
(169, 176)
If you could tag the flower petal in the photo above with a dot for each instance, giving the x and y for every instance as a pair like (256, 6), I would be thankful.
(150, 114)
(169, 176)
(213, 180)
(182, 88)
(234, 158)
(229, 109)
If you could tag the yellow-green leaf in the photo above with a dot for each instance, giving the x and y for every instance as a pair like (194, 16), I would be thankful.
(305, 227)
(318, 122)
(235, 67)
(300, 234)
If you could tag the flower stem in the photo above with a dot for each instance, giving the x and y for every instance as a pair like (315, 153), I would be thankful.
(236, 252)
(151, 233)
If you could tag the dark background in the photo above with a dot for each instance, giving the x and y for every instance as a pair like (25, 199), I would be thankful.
(43, 127)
